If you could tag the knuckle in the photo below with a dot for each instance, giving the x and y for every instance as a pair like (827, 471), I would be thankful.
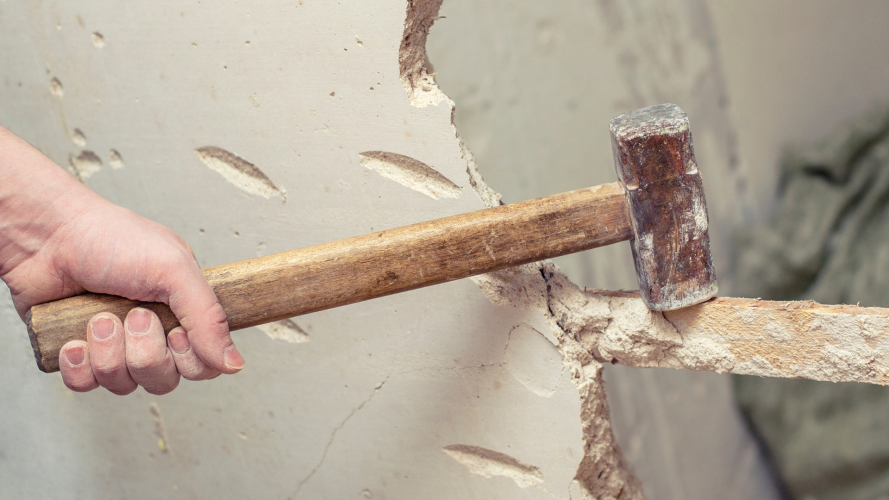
(201, 373)
(215, 315)
(145, 363)
(108, 369)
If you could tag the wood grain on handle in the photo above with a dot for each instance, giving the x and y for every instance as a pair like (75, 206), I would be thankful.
(287, 284)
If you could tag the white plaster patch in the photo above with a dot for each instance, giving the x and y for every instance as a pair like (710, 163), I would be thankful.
(778, 332)
(98, 40)
(85, 164)
(238, 171)
(488, 463)
(285, 330)
(533, 360)
(410, 173)
(699, 352)
(747, 316)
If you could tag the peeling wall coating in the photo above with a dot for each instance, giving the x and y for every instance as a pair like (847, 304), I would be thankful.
(535, 85)
(416, 70)
(602, 473)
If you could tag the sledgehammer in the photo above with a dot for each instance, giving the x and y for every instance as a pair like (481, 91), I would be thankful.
(658, 204)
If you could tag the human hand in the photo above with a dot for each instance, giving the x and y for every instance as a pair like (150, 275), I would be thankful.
(58, 238)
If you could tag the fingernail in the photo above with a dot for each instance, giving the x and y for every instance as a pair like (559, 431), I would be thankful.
(75, 356)
(102, 328)
(179, 342)
(138, 320)
(233, 358)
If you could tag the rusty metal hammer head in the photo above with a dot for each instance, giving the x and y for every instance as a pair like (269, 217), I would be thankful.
(655, 162)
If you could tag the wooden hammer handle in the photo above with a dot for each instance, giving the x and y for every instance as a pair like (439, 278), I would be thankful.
(271, 288)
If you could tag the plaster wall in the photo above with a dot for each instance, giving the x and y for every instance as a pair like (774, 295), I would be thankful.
(363, 409)
(437, 393)
(535, 85)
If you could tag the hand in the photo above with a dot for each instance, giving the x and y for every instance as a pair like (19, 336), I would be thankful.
(58, 238)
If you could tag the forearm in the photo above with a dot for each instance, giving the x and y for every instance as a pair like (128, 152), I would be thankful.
(36, 196)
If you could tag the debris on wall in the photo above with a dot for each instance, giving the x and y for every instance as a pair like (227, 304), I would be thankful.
(602, 472)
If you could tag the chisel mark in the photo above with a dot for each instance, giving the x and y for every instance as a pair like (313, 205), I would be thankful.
(410, 173)
(285, 330)
(237, 171)
(490, 463)
(85, 164)
(115, 160)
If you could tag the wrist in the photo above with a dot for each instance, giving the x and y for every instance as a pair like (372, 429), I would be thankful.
(37, 199)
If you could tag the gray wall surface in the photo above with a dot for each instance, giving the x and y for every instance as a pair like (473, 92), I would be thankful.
(535, 84)
(364, 409)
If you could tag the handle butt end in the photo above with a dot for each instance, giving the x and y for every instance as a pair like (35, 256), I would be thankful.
(41, 362)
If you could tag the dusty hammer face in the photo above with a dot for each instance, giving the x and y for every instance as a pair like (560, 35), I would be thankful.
(655, 162)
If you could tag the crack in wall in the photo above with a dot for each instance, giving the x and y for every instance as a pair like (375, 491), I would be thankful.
(415, 68)
(334, 433)
(602, 473)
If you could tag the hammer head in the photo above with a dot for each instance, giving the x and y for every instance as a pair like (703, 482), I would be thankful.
(655, 162)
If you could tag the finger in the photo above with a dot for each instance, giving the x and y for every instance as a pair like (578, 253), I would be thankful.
(148, 359)
(187, 361)
(203, 319)
(74, 363)
(108, 355)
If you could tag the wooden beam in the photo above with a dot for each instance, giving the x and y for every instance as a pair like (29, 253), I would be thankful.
(842, 343)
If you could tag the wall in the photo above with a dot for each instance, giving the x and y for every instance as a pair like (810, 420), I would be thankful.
(437, 393)
(535, 84)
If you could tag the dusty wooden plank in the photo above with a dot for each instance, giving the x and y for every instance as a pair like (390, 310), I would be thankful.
(837, 343)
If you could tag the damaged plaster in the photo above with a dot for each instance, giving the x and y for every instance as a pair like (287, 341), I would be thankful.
(410, 173)
(237, 171)
(490, 463)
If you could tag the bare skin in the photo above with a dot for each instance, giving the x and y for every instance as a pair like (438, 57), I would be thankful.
(58, 238)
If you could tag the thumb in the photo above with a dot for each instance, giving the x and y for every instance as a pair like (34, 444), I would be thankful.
(200, 314)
